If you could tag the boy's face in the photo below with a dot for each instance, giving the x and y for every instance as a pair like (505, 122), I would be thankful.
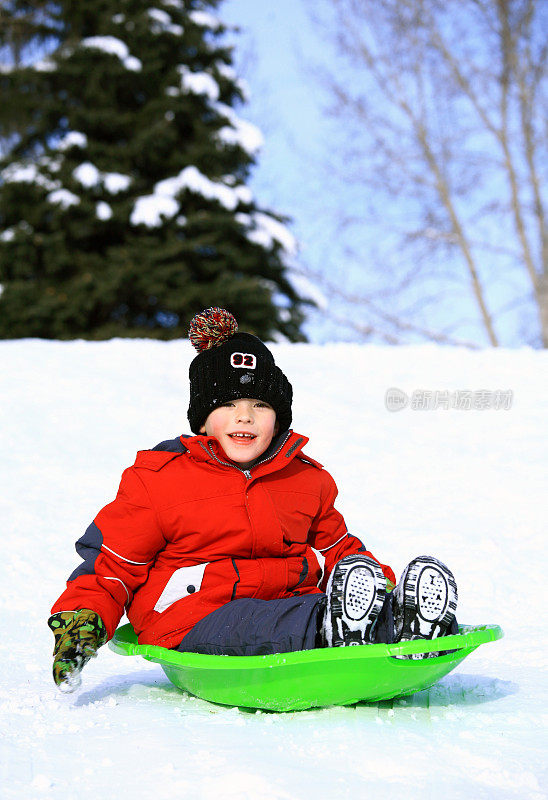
(244, 428)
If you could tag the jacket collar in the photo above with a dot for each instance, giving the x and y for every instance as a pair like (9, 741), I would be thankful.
(283, 448)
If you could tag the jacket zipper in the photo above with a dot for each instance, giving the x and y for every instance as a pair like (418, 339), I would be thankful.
(245, 472)
(258, 464)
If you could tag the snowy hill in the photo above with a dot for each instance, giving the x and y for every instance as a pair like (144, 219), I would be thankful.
(467, 485)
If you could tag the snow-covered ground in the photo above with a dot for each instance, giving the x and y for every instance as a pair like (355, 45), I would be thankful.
(469, 486)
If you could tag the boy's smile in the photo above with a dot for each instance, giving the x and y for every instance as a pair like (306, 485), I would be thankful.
(244, 428)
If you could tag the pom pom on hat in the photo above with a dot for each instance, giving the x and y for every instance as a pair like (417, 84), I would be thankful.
(211, 327)
(231, 364)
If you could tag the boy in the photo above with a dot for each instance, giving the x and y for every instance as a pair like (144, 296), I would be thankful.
(228, 542)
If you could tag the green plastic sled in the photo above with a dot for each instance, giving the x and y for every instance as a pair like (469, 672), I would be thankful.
(310, 678)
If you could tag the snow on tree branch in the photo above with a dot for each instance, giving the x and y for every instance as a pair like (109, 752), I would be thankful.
(115, 47)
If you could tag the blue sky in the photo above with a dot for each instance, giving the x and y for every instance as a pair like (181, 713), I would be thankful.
(274, 41)
(275, 53)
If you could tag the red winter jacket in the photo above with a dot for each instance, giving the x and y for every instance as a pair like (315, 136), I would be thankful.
(189, 531)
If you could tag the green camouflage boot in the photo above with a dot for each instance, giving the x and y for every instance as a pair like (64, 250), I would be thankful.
(78, 636)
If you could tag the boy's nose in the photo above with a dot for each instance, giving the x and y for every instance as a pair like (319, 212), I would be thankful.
(243, 414)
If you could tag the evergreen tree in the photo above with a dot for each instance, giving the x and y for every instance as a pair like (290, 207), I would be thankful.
(124, 208)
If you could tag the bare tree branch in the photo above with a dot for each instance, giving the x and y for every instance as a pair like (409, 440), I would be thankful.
(368, 330)
(442, 101)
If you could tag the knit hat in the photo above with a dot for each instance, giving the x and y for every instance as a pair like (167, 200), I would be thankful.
(231, 364)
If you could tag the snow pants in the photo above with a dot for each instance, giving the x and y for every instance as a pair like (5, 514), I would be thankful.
(253, 627)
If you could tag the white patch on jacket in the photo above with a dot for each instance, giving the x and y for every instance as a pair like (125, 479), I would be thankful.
(183, 582)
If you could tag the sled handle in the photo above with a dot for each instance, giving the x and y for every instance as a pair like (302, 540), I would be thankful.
(466, 639)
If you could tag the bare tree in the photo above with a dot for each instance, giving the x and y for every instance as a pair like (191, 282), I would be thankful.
(442, 108)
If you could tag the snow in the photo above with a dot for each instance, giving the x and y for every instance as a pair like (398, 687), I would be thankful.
(230, 74)
(27, 173)
(8, 235)
(192, 179)
(103, 211)
(227, 71)
(64, 198)
(159, 16)
(49, 163)
(87, 174)
(465, 485)
(240, 132)
(198, 82)
(265, 230)
(162, 22)
(205, 20)
(114, 46)
(149, 209)
(45, 65)
(115, 182)
(244, 194)
(72, 139)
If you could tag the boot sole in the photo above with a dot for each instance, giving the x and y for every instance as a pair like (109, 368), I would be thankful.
(355, 596)
(429, 601)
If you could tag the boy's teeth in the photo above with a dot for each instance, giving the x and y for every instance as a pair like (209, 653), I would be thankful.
(242, 435)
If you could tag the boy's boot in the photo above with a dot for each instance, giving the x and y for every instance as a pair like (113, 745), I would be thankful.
(424, 602)
(355, 595)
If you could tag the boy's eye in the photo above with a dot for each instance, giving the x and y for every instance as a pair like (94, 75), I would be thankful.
(258, 404)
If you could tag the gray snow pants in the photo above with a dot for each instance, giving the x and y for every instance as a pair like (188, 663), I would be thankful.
(253, 627)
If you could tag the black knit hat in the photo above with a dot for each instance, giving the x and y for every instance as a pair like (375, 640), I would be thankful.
(230, 365)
